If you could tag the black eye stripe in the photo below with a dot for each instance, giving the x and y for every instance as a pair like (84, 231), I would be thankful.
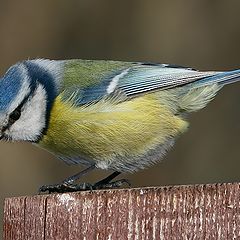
(16, 113)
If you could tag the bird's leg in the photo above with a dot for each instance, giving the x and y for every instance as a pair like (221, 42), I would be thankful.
(106, 182)
(68, 184)
(108, 179)
(77, 176)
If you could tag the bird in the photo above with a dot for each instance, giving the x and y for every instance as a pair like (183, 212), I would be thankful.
(103, 114)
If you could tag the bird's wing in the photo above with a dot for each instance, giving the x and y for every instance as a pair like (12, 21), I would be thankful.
(93, 80)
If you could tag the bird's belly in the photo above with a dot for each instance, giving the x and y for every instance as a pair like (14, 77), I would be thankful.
(138, 161)
(113, 135)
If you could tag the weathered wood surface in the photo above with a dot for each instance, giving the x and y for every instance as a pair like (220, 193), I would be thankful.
(179, 212)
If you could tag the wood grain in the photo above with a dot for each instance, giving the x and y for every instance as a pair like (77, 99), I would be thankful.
(178, 212)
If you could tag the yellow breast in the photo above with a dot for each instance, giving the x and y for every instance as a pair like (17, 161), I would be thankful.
(106, 129)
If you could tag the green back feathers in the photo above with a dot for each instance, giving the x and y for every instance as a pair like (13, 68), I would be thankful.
(85, 73)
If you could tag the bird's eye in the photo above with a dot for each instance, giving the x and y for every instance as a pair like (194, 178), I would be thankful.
(15, 115)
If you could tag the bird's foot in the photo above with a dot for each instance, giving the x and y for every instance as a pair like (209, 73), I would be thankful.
(69, 187)
(65, 187)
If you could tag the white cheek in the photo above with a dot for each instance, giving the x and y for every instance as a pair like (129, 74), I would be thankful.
(33, 118)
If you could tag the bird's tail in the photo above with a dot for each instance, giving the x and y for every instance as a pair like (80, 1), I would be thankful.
(202, 91)
(221, 78)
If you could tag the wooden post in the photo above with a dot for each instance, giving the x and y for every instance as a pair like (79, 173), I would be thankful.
(179, 212)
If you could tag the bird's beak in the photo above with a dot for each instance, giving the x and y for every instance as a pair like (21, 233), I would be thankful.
(1, 134)
(2, 127)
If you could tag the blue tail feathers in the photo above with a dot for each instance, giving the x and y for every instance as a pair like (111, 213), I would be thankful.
(221, 78)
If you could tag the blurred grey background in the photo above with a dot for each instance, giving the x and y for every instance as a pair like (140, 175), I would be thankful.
(201, 34)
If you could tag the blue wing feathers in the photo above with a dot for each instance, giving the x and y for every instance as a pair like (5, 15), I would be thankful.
(145, 79)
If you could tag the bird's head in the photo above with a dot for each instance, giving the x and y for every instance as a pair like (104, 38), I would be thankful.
(24, 102)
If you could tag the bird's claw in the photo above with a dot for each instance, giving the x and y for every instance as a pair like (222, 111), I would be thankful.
(70, 187)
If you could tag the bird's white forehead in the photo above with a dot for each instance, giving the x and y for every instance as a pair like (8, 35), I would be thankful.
(3, 119)
(23, 92)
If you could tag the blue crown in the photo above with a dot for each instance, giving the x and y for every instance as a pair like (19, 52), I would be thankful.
(10, 86)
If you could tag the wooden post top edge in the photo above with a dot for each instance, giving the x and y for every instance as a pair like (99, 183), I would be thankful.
(135, 189)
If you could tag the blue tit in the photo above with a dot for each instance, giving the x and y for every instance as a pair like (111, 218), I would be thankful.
(112, 115)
